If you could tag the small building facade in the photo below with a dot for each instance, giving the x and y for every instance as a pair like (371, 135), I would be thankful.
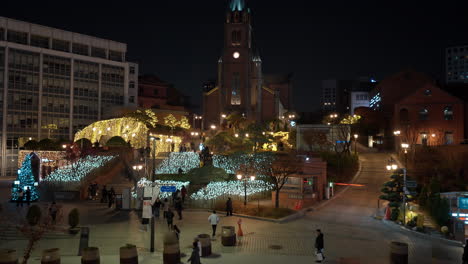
(305, 188)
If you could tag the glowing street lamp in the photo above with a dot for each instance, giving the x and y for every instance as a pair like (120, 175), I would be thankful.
(64, 146)
(241, 177)
(223, 115)
(236, 135)
(355, 142)
(397, 132)
(213, 127)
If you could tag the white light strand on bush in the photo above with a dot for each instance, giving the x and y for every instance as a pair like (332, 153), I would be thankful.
(145, 182)
(216, 189)
(76, 172)
(184, 160)
(231, 164)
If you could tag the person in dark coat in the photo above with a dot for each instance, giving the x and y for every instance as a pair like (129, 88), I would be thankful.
(169, 218)
(183, 192)
(53, 209)
(229, 207)
(195, 257)
(177, 232)
(465, 253)
(178, 207)
(104, 194)
(28, 196)
(319, 244)
(156, 207)
(111, 196)
(19, 201)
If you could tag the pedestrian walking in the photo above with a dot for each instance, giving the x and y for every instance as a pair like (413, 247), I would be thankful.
(156, 207)
(175, 195)
(169, 218)
(28, 196)
(178, 207)
(229, 207)
(165, 207)
(195, 257)
(214, 220)
(319, 245)
(53, 212)
(465, 253)
(104, 194)
(19, 201)
(183, 192)
(176, 231)
(90, 191)
(111, 196)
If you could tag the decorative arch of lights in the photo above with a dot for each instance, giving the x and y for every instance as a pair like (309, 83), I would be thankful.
(131, 130)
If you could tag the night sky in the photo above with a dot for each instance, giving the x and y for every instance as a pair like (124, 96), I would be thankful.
(181, 40)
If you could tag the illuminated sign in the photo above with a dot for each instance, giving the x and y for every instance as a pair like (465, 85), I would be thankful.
(375, 100)
(463, 202)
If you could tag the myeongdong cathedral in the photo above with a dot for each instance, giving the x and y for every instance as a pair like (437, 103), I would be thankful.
(241, 86)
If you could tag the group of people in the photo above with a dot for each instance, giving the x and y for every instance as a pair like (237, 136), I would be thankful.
(178, 199)
(23, 196)
(93, 191)
(108, 196)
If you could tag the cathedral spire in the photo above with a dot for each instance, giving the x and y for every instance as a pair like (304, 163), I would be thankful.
(237, 5)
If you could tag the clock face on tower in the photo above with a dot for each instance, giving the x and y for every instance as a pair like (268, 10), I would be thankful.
(236, 55)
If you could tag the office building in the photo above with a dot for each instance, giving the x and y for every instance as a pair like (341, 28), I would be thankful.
(55, 82)
(456, 64)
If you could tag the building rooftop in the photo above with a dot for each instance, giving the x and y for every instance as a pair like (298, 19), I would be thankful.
(54, 33)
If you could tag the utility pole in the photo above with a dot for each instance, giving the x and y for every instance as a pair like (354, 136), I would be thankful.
(153, 178)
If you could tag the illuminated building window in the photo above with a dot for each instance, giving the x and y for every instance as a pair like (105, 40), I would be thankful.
(448, 113)
(235, 89)
(423, 114)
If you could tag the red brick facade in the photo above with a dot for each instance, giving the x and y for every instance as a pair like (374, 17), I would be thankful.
(430, 116)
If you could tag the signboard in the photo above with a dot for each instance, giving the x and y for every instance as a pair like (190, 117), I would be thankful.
(463, 202)
(149, 196)
(168, 189)
(411, 184)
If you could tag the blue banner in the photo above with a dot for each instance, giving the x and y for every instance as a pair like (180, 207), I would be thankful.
(168, 189)
(463, 202)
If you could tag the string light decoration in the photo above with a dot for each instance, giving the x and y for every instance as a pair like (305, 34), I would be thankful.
(24, 180)
(232, 163)
(131, 130)
(51, 158)
(184, 160)
(143, 182)
(128, 128)
(68, 174)
(216, 189)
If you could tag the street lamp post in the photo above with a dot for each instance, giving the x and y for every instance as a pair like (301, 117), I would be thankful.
(355, 142)
(405, 146)
(245, 179)
(392, 166)
(153, 176)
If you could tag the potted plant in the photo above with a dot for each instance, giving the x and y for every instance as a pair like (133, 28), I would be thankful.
(73, 220)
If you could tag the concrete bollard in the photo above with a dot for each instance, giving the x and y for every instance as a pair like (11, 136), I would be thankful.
(171, 254)
(8, 256)
(90, 255)
(205, 241)
(398, 253)
(51, 256)
(128, 254)
(228, 237)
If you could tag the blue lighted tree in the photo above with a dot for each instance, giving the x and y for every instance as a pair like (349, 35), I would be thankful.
(25, 179)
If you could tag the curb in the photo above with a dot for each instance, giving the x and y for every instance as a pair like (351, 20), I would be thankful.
(424, 236)
(300, 213)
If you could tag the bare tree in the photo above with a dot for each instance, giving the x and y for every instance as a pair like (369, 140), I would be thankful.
(316, 139)
(284, 166)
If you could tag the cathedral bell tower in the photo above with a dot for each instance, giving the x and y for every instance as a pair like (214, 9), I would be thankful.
(237, 69)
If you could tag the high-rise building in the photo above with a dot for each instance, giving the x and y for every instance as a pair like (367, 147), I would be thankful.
(241, 86)
(55, 82)
(344, 96)
(456, 64)
(335, 96)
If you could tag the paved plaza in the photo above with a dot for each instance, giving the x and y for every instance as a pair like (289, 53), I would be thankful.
(352, 235)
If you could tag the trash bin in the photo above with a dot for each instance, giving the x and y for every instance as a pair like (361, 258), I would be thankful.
(118, 201)
(228, 238)
(205, 241)
(398, 253)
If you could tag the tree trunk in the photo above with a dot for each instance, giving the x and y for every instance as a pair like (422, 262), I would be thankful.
(277, 198)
